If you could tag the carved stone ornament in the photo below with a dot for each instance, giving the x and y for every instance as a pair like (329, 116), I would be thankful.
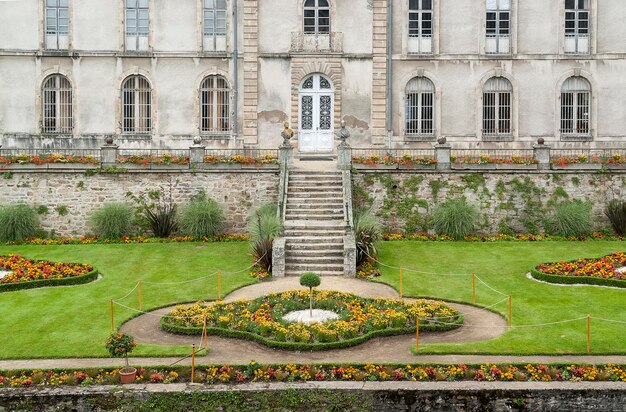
(343, 134)
(442, 140)
(286, 134)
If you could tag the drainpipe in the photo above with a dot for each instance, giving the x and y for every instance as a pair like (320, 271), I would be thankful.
(236, 73)
(389, 75)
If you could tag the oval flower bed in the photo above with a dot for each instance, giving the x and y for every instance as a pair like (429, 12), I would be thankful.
(603, 271)
(360, 319)
(26, 274)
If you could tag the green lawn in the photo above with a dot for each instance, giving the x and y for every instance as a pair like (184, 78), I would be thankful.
(74, 321)
(504, 265)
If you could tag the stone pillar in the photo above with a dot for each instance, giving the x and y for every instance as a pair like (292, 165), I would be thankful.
(250, 71)
(196, 151)
(541, 153)
(442, 153)
(108, 153)
(379, 72)
(344, 152)
(278, 257)
(349, 256)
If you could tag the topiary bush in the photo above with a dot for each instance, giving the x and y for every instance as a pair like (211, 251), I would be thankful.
(112, 221)
(310, 280)
(17, 222)
(367, 231)
(202, 217)
(455, 218)
(615, 210)
(572, 218)
(264, 226)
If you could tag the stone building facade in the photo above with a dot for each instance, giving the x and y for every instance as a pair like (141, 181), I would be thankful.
(401, 73)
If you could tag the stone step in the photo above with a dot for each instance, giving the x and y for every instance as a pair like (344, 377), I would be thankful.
(308, 183)
(321, 273)
(315, 189)
(315, 209)
(337, 217)
(315, 195)
(317, 253)
(315, 203)
(312, 233)
(314, 260)
(311, 246)
(294, 173)
(314, 240)
(312, 267)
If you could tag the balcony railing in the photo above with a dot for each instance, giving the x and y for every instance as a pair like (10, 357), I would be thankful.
(317, 42)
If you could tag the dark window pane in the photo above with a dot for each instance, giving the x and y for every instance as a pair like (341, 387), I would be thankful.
(570, 4)
(427, 4)
(413, 4)
(324, 13)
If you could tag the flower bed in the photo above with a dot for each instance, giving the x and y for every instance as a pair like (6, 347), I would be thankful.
(253, 372)
(602, 271)
(147, 160)
(407, 160)
(487, 159)
(88, 240)
(563, 161)
(360, 319)
(27, 274)
(268, 159)
(50, 158)
(521, 237)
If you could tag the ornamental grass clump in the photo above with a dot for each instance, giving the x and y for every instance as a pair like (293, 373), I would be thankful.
(264, 226)
(367, 231)
(112, 221)
(616, 212)
(156, 211)
(572, 218)
(17, 222)
(455, 218)
(310, 280)
(202, 218)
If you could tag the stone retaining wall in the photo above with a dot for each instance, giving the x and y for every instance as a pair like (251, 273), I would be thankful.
(238, 192)
(519, 201)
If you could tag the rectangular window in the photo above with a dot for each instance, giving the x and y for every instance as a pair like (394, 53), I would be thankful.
(498, 27)
(577, 17)
(57, 25)
(137, 25)
(420, 26)
(214, 25)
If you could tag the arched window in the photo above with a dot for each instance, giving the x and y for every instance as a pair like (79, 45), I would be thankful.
(497, 94)
(316, 16)
(420, 97)
(57, 105)
(575, 106)
(136, 105)
(214, 105)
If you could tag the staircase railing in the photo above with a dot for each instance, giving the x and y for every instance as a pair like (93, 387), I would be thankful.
(282, 191)
(346, 177)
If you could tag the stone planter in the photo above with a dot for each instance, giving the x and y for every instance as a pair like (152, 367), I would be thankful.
(127, 375)
(70, 166)
(131, 166)
(510, 166)
(220, 166)
(168, 167)
(616, 167)
(417, 167)
(578, 166)
(361, 166)
(474, 166)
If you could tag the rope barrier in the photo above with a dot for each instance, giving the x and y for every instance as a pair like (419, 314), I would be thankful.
(609, 320)
(129, 293)
(495, 290)
(550, 323)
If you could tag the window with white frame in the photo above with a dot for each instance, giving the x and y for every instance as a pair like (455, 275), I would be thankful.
(576, 107)
(136, 105)
(577, 26)
(57, 24)
(214, 23)
(214, 105)
(498, 27)
(497, 96)
(420, 99)
(137, 25)
(56, 104)
(420, 26)
(316, 17)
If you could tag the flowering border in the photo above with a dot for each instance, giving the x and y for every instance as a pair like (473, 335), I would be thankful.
(147, 160)
(47, 159)
(406, 160)
(498, 237)
(88, 240)
(268, 159)
(484, 159)
(597, 271)
(254, 372)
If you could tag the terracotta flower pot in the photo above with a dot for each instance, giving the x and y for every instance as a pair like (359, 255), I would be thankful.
(127, 375)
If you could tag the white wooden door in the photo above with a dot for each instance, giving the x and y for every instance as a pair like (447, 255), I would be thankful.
(315, 126)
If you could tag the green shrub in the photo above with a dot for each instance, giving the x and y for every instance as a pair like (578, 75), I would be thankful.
(310, 280)
(455, 218)
(155, 210)
(264, 226)
(367, 231)
(616, 212)
(17, 222)
(112, 221)
(572, 218)
(202, 217)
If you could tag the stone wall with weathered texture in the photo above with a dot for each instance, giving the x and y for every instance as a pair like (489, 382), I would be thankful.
(238, 192)
(518, 202)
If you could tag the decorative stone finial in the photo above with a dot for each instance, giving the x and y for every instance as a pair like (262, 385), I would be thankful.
(109, 140)
(286, 134)
(541, 141)
(197, 140)
(343, 134)
(442, 140)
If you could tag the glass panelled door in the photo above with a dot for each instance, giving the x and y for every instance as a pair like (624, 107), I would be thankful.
(316, 115)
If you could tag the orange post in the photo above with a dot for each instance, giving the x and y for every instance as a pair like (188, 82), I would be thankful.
(140, 295)
(193, 361)
(204, 335)
(400, 282)
(112, 318)
(219, 286)
(473, 288)
(588, 333)
(417, 334)
(510, 311)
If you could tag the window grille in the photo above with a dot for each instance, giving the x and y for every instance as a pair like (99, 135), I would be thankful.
(498, 27)
(420, 96)
(214, 25)
(57, 105)
(420, 26)
(57, 24)
(214, 105)
(577, 26)
(575, 107)
(136, 105)
(137, 25)
(497, 94)
(316, 17)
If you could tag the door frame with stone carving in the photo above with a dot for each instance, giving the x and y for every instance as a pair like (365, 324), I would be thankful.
(316, 99)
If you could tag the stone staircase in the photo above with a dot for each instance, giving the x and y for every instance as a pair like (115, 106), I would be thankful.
(314, 223)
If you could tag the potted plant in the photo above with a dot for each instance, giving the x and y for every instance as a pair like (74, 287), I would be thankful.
(118, 345)
(310, 280)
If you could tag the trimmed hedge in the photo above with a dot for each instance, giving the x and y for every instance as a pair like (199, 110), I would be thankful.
(572, 280)
(300, 346)
(40, 283)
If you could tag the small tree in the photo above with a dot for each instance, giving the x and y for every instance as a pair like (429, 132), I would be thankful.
(310, 280)
(120, 345)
